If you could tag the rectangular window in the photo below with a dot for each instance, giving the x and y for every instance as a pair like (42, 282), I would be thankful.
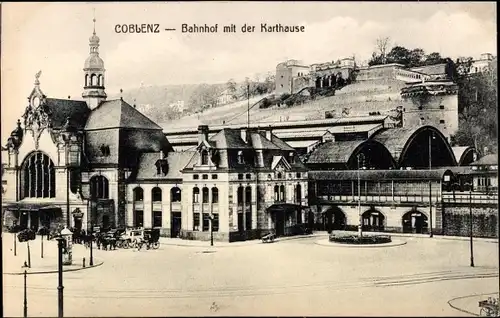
(138, 218)
(240, 176)
(214, 176)
(441, 121)
(216, 223)
(205, 176)
(206, 222)
(196, 221)
(157, 218)
(196, 177)
(248, 220)
(441, 106)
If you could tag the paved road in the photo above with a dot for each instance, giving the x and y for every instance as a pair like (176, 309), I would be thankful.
(295, 277)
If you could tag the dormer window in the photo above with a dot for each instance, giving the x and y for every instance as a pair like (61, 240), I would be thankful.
(241, 160)
(204, 157)
(291, 157)
(280, 175)
(104, 150)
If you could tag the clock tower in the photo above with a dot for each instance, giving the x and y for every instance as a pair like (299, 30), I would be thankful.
(94, 70)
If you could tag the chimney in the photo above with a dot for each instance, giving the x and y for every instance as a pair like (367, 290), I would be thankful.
(202, 133)
(269, 134)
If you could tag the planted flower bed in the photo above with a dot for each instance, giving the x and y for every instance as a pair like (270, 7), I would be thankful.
(355, 239)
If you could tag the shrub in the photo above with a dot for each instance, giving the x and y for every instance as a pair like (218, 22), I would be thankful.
(354, 239)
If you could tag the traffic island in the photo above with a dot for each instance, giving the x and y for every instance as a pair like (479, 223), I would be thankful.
(360, 240)
(48, 268)
(343, 240)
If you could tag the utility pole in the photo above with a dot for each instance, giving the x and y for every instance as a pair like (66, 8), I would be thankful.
(60, 287)
(471, 227)
(29, 254)
(248, 105)
(25, 295)
(430, 184)
(360, 226)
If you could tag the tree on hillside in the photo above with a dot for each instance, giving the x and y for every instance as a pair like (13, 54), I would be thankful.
(434, 58)
(231, 87)
(477, 102)
(382, 45)
(205, 96)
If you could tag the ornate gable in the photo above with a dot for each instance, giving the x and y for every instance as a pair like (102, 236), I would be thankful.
(280, 164)
(37, 115)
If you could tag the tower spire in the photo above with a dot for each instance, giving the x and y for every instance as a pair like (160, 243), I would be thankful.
(94, 20)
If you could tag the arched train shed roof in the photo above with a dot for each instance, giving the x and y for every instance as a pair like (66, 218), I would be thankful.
(398, 140)
(343, 152)
(461, 154)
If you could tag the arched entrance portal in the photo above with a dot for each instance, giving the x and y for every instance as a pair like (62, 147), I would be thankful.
(285, 217)
(373, 220)
(333, 219)
(415, 222)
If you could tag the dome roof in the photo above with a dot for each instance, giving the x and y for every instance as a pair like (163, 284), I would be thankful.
(94, 61)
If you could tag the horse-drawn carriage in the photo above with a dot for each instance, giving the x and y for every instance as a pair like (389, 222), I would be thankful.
(489, 308)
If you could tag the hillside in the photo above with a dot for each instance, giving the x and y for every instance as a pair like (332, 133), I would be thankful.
(359, 98)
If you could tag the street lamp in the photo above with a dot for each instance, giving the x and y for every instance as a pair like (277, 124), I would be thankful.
(211, 229)
(90, 232)
(431, 137)
(468, 185)
(60, 287)
(360, 157)
(25, 307)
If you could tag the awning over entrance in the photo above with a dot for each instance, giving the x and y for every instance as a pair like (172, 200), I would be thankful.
(285, 207)
(24, 206)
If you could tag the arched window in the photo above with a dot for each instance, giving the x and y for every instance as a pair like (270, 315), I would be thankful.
(138, 194)
(298, 193)
(248, 195)
(86, 79)
(196, 195)
(39, 176)
(175, 194)
(215, 195)
(156, 194)
(280, 175)
(282, 193)
(240, 196)
(93, 79)
(276, 193)
(205, 195)
(99, 187)
(100, 81)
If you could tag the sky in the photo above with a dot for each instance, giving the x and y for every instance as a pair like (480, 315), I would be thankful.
(53, 38)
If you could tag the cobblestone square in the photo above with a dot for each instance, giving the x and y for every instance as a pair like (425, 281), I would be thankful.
(292, 277)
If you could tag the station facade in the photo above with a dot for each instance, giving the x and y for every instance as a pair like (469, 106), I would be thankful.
(100, 162)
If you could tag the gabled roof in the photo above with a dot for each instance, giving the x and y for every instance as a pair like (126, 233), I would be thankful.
(176, 161)
(118, 114)
(259, 141)
(229, 139)
(59, 110)
(279, 159)
(281, 144)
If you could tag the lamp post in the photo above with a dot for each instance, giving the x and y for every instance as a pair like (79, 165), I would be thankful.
(471, 225)
(431, 137)
(360, 225)
(41, 247)
(29, 254)
(25, 307)
(15, 244)
(211, 229)
(91, 232)
(60, 287)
